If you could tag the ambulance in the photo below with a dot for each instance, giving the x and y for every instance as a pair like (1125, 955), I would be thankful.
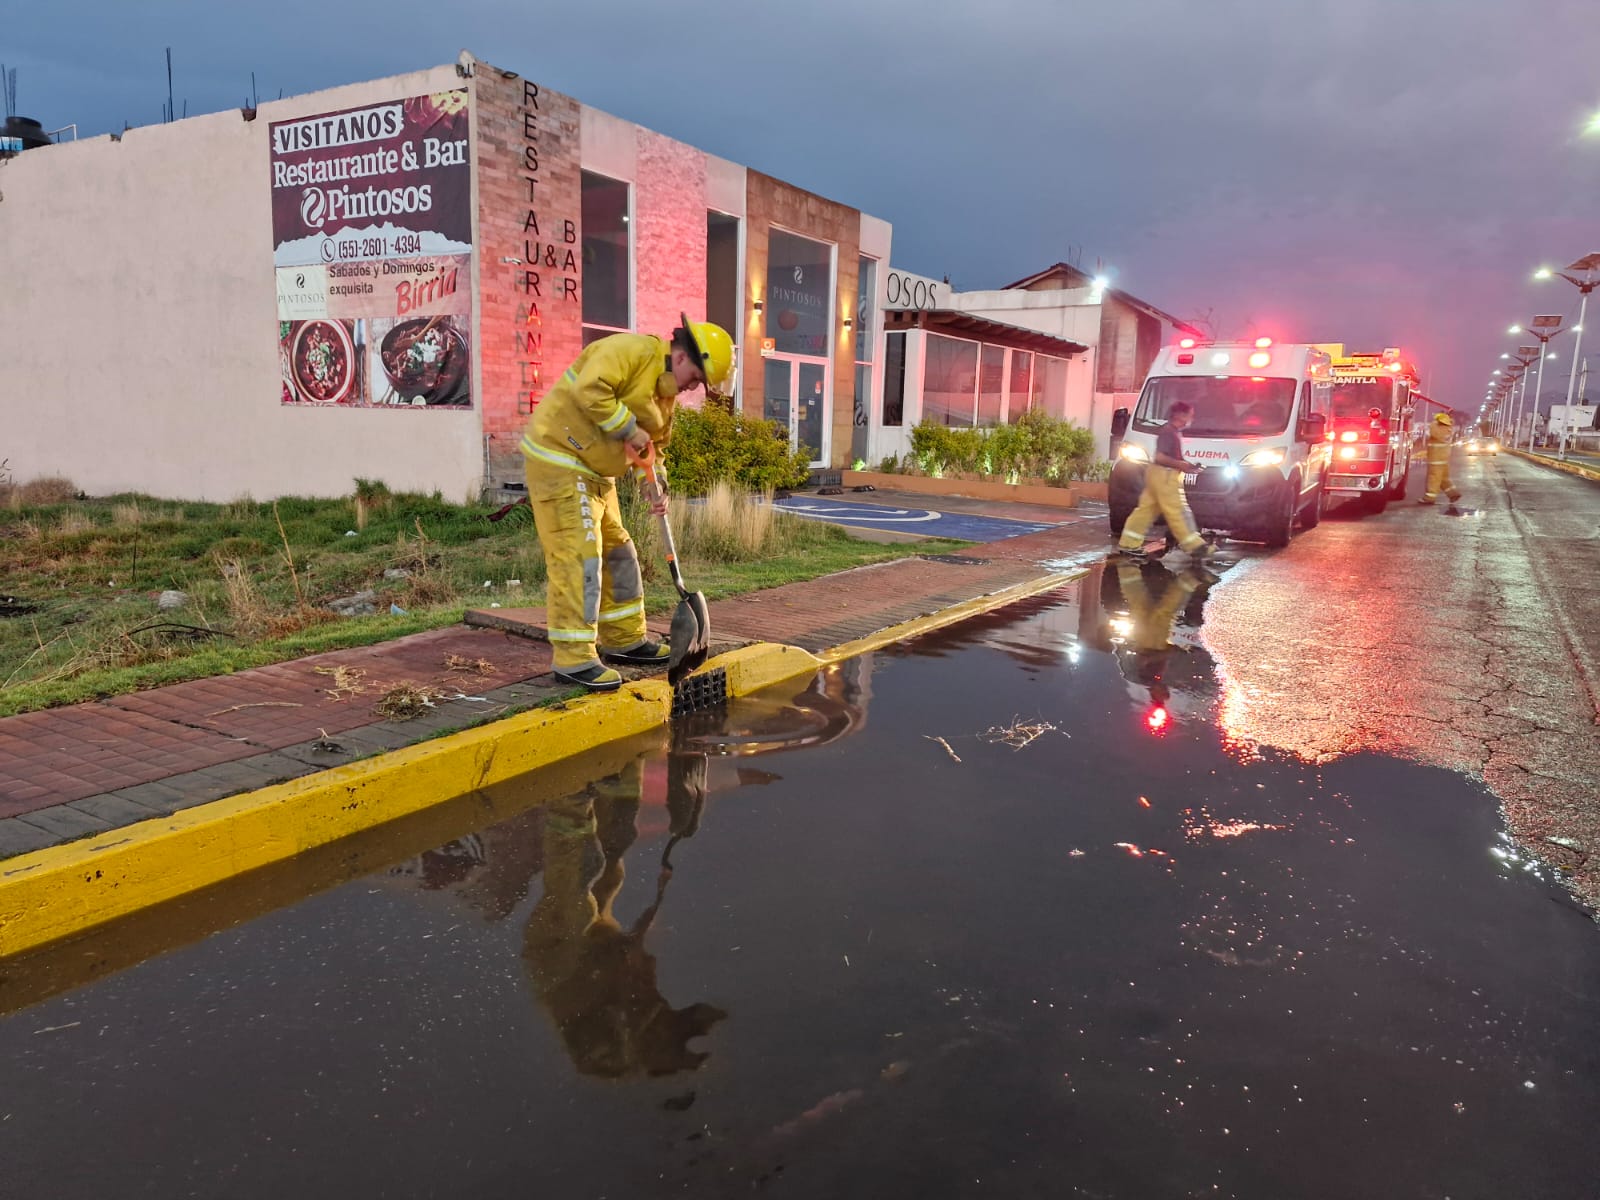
(1376, 399)
(1261, 414)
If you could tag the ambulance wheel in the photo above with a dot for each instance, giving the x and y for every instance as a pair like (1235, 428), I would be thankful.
(1119, 518)
(1311, 515)
(1280, 527)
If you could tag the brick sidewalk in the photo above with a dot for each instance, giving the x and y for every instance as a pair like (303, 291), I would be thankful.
(72, 772)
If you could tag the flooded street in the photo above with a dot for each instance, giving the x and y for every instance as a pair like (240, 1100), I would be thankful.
(1004, 911)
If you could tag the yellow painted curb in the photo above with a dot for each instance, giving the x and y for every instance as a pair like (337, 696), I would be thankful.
(1556, 464)
(62, 891)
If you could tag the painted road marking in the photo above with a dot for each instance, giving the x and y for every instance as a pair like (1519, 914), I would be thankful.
(966, 527)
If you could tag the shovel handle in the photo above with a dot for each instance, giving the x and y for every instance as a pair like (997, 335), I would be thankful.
(653, 492)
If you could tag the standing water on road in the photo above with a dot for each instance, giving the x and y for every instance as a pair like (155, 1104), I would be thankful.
(998, 912)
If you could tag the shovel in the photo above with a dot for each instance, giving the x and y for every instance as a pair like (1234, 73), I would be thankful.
(690, 638)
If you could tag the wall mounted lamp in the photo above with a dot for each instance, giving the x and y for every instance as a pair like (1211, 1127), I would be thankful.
(759, 305)
(848, 321)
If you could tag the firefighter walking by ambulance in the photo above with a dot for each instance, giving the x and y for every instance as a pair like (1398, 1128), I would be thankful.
(1163, 493)
(1441, 433)
(609, 407)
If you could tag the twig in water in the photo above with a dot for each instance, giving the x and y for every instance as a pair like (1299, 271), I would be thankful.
(1017, 735)
(947, 748)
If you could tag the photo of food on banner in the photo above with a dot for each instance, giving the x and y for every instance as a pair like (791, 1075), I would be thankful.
(321, 361)
(420, 361)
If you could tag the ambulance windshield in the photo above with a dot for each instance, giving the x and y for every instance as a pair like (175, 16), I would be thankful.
(1224, 406)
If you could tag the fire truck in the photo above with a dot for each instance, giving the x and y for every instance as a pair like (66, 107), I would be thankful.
(1373, 426)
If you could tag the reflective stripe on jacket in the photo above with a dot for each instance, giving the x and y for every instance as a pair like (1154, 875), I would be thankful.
(618, 383)
(1439, 439)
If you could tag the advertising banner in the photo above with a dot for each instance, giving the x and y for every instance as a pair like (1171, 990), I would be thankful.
(372, 245)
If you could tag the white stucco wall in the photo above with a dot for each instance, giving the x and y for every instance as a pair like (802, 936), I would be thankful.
(140, 311)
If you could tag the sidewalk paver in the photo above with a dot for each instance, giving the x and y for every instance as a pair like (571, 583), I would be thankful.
(83, 769)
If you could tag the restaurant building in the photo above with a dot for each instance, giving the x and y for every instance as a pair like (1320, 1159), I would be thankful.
(380, 280)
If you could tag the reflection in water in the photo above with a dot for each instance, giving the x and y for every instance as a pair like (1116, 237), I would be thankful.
(1159, 612)
(591, 973)
(594, 977)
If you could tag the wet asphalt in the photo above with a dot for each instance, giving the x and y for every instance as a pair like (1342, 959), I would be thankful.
(1023, 908)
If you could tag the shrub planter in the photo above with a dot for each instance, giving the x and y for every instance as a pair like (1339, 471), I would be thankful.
(1027, 492)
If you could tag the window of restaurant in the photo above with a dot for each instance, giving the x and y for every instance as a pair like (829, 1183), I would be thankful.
(949, 380)
(991, 384)
(606, 207)
(799, 299)
(1021, 398)
(894, 380)
(724, 288)
(864, 332)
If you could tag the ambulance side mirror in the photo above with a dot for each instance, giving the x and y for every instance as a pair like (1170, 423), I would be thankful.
(1312, 427)
(1119, 421)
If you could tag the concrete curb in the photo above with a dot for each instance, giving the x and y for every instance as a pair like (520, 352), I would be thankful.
(1570, 468)
(56, 893)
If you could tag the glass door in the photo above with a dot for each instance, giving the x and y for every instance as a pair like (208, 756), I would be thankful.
(796, 396)
(778, 394)
(810, 408)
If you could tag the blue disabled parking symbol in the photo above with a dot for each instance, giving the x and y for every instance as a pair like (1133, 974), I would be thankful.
(965, 527)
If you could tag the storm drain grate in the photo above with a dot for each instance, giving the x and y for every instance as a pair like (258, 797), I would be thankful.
(955, 560)
(708, 689)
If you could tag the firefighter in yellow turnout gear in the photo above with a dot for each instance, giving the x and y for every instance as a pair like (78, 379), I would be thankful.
(616, 399)
(1163, 492)
(1440, 435)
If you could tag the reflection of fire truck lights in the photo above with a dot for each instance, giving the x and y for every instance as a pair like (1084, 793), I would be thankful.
(1156, 719)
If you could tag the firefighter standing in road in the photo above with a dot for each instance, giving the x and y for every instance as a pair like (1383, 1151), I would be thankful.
(1440, 436)
(612, 404)
(1163, 492)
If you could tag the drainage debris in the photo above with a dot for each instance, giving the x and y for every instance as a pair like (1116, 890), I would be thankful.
(947, 748)
(1018, 734)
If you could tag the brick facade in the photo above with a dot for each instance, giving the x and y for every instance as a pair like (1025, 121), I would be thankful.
(670, 238)
(526, 151)
(772, 202)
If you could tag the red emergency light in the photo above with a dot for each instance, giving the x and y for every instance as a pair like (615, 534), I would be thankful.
(1263, 343)
(1186, 343)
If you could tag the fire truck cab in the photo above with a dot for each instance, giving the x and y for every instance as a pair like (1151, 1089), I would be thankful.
(1372, 426)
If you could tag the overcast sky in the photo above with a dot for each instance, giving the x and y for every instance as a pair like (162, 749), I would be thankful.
(1377, 172)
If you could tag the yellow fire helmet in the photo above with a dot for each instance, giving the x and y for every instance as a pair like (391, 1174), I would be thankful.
(712, 352)
(1443, 418)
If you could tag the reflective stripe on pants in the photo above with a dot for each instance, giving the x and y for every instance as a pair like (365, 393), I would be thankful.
(594, 592)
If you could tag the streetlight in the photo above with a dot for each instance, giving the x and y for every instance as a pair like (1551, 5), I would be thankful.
(1588, 267)
(1544, 327)
(1525, 357)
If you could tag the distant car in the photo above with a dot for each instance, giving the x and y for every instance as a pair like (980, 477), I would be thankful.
(1483, 445)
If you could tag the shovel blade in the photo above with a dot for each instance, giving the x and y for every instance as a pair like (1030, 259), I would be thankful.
(690, 637)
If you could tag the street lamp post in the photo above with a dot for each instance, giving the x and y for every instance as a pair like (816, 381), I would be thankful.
(1587, 267)
(1543, 327)
(1525, 357)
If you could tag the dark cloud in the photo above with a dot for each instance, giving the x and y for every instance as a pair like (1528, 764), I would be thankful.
(1371, 171)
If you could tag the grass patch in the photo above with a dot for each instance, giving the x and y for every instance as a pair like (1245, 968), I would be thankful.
(260, 577)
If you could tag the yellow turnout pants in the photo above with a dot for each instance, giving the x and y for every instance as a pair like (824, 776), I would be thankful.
(595, 592)
(1163, 493)
(1439, 481)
